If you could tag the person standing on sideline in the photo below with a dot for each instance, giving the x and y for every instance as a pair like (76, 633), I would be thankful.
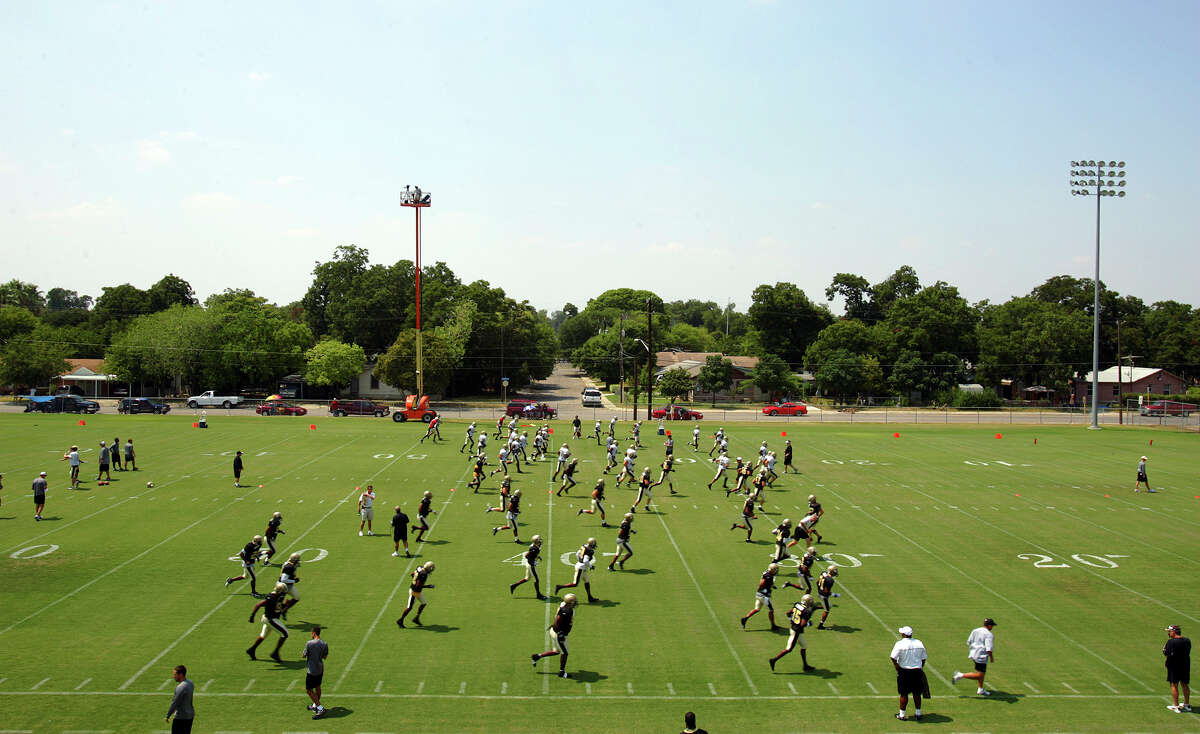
(689, 725)
(366, 510)
(130, 461)
(787, 458)
(1178, 652)
(181, 704)
(103, 473)
(315, 652)
(39, 495)
(979, 644)
(908, 657)
(559, 629)
(72, 456)
(114, 454)
(237, 469)
(400, 532)
(576, 426)
(1141, 477)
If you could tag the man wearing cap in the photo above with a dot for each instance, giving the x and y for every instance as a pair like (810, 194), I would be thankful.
(908, 657)
(1141, 478)
(237, 469)
(979, 645)
(39, 495)
(1178, 652)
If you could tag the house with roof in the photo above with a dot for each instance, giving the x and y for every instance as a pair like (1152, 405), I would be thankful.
(1125, 380)
(87, 377)
(693, 362)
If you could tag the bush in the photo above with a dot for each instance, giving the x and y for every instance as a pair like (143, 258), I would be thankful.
(986, 399)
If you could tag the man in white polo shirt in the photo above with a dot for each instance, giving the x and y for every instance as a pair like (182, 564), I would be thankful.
(366, 511)
(980, 644)
(908, 656)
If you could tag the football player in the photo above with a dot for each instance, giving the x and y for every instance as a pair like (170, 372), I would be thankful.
(741, 471)
(564, 453)
(722, 462)
(568, 476)
(803, 531)
(477, 472)
(668, 466)
(782, 532)
(627, 466)
(612, 427)
(514, 509)
(529, 559)
(597, 503)
(272, 610)
(270, 533)
(800, 617)
(804, 571)
(644, 485)
(623, 542)
(695, 443)
(559, 629)
(505, 491)
(762, 596)
(815, 512)
(611, 455)
(470, 442)
(288, 577)
(636, 435)
(248, 555)
(747, 516)
(502, 457)
(424, 510)
(825, 590)
(420, 582)
(585, 560)
(758, 489)
(669, 445)
(482, 446)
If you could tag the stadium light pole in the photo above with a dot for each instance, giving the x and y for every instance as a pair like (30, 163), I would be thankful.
(1090, 178)
(414, 197)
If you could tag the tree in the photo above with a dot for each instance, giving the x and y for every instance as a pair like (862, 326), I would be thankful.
(845, 373)
(693, 311)
(626, 299)
(158, 349)
(1034, 342)
(171, 290)
(248, 343)
(856, 292)
(16, 321)
(65, 307)
(773, 377)
(935, 319)
(598, 357)
(675, 383)
(332, 281)
(686, 338)
(716, 375)
(19, 293)
(117, 306)
(31, 359)
(442, 350)
(331, 362)
(849, 335)
(786, 320)
(896, 287)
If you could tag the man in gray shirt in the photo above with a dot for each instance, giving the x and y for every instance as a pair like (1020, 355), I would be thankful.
(181, 704)
(39, 495)
(315, 651)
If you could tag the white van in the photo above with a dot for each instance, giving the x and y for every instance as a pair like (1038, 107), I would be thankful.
(591, 398)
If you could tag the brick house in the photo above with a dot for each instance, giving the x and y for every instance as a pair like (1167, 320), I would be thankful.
(1124, 380)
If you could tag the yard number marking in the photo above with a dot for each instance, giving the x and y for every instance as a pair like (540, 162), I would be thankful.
(1044, 561)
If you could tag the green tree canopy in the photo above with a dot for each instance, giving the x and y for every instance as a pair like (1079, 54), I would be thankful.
(773, 377)
(331, 362)
(786, 320)
(675, 383)
(26, 295)
(716, 375)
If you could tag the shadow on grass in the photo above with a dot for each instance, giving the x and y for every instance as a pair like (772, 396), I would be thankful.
(583, 676)
(434, 542)
(439, 628)
(935, 719)
(290, 664)
(336, 712)
(52, 518)
(1001, 696)
(605, 603)
(638, 571)
(844, 628)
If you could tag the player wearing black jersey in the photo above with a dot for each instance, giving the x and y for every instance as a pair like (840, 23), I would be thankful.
(644, 485)
(420, 582)
(270, 533)
(623, 545)
(804, 571)
(782, 532)
(568, 476)
(288, 577)
(424, 510)
(559, 629)
(825, 590)
(477, 473)
(800, 617)
(529, 559)
(248, 556)
(597, 503)
(272, 607)
(762, 596)
(514, 509)
(585, 561)
(667, 466)
(816, 513)
(747, 516)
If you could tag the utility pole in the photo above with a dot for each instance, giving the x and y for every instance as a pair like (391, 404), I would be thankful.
(635, 386)
(649, 361)
(621, 351)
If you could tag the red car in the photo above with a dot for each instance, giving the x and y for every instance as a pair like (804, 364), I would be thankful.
(786, 409)
(677, 413)
(1168, 407)
(278, 407)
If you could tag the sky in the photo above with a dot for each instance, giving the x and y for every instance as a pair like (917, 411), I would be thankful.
(695, 149)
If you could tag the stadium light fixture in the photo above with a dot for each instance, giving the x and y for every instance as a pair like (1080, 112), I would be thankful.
(414, 197)
(1099, 179)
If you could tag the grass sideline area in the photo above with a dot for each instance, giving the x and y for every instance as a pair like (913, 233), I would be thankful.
(937, 528)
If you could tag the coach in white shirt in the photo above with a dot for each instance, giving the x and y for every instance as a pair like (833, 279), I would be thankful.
(908, 655)
(980, 644)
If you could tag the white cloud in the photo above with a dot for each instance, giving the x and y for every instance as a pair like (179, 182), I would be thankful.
(819, 205)
(210, 200)
(179, 135)
(152, 153)
(302, 233)
(83, 210)
(259, 76)
(285, 180)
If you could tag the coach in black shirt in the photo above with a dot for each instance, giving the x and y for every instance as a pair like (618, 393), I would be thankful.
(1178, 652)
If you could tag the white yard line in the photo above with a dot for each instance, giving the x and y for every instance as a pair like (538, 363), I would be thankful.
(708, 605)
(118, 567)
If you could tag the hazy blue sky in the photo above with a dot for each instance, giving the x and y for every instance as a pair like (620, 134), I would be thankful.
(696, 149)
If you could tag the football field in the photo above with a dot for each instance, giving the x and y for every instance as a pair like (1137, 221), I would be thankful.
(937, 527)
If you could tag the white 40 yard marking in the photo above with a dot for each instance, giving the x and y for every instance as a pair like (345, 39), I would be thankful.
(1041, 560)
(856, 462)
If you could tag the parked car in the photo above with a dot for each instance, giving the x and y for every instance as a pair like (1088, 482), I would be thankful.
(415, 410)
(279, 407)
(592, 398)
(358, 407)
(530, 409)
(1168, 407)
(209, 399)
(141, 405)
(785, 409)
(61, 404)
(677, 413)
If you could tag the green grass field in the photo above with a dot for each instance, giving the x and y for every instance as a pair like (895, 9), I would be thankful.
(937, 528)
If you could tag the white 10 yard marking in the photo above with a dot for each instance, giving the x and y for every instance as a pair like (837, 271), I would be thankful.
(24, 554)
(1041, 560)
(996, 462)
